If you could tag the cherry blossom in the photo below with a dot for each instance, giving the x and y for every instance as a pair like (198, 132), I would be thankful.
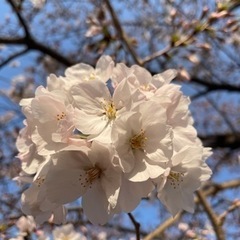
(182, 177)
(110, 136)
(142, 140)
(94, 102)
(66, 232)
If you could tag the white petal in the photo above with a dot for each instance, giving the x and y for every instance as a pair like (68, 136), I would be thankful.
(89, 123)
(133, 192)
(95, 204)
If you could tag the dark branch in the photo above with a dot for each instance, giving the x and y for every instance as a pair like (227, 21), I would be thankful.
(34, 45)
(12, 41)
(10, 58)
(20, 18)
(211, 214)
(231, 141)
(211, 87)
(136, 225)
(121, 33)
(30, 42)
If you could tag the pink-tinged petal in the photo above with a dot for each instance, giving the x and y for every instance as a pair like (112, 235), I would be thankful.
(42, 217)
(68, 188)
(187, 155)
(104, 136)
(95, 204)
(89, 96)
(79, 72)
(143, 169)
(67, 172)
(59, 215)
(44, 144)
(111, 182)
(188, 201)
(122, 94)
(89, 124)
(102, 157)
(54, 82)
(143, 76)
(133, 192)
(152, 113)
(159, 142)
(45, 108)
(127, 158)
(104, 68)
(171, 199)
(164, 78)
(139, 172)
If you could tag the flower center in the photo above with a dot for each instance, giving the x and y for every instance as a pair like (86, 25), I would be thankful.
(65, 238)
(145, 87)
(61, 116)
(39, 181)
(138, 140)
(90, 77)
(175, 178)
(110, 110)
(89, 176)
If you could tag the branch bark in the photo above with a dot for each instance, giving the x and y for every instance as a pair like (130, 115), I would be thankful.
(208, 189)
(136, 226)
(15, 55)
(121, 33)
(211, 215)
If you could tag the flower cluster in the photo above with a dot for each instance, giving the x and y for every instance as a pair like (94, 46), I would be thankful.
(111, 135)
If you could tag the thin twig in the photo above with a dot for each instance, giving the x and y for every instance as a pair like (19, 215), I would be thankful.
(223, 115)
(158, 231)
(157, 54)
(34, 45)
(210, 190)
(212, 216)
(122, 34)
(235, 205)
(20, 18)
(10, 58)
(136, 225)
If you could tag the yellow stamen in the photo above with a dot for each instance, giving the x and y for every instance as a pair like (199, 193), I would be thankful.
(175, 178)
(86, 179)
(138, 140)
(110, 110)
(61, 116)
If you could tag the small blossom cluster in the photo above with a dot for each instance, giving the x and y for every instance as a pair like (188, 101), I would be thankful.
(27, 230)
(111, 135)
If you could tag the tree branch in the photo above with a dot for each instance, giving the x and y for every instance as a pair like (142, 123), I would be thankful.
(212, 216)
(121, 33)
(231, 140)
(222, 114)
(10, 58)
(211, 86)
(136, 225)
(235, 205)
(34, 45)
(208, 189)
(158, 231)
(20, 18)
(12, 41)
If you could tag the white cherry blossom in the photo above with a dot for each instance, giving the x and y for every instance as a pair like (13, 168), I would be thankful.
(67, 232)
(94, 102)
(110, 136)
(87, 173)
(182, 177)
(142, 141)
(35, 202)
